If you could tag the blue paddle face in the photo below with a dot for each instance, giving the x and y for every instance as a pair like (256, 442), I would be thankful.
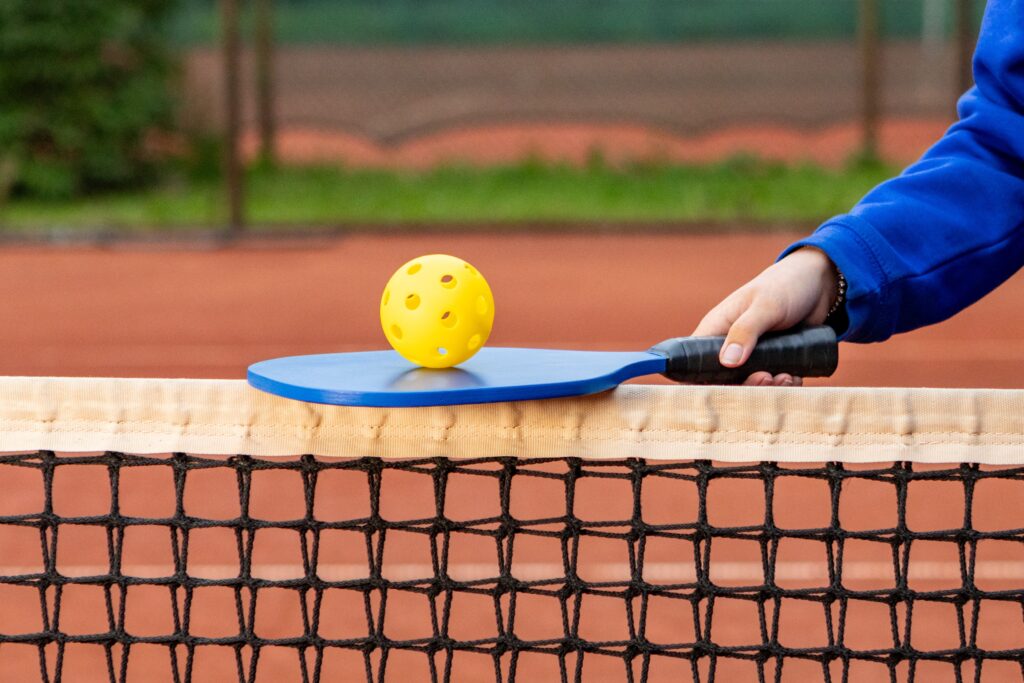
(385, 379)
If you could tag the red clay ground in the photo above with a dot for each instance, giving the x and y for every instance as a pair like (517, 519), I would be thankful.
(136, 312)
(133, 311)
(900, 140)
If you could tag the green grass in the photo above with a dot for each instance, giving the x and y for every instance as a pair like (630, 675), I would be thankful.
(740, 190)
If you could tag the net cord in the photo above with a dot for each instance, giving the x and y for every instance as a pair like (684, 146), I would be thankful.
(728, 424)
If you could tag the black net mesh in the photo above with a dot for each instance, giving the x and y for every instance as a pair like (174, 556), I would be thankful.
(119, 567)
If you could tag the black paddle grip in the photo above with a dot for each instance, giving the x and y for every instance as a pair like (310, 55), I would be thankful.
(807, 352)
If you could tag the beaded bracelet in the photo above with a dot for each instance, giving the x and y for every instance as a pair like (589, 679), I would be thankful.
(840, 295)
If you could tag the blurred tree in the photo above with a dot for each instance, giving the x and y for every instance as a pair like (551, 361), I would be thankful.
(83, 84)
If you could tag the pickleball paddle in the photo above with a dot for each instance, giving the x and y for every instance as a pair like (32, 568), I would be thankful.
(385, 379)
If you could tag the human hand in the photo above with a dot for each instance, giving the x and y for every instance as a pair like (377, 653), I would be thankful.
(796, 290)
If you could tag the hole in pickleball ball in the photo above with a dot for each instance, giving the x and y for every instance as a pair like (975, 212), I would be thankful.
(387, 296)
(449, 319)
(474, 342)
(414, 268)
(469, 268)
(481, 305)
(396, 331)
(442, 351)
(412, 302)
(448, 282)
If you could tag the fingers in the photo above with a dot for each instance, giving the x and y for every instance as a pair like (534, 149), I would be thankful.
(744, 333)
(759, 379)
(763, 379)
(720, 318)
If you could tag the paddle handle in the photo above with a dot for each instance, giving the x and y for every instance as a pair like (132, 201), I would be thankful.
(807, 352)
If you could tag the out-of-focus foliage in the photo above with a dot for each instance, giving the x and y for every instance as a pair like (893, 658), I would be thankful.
(83, 86)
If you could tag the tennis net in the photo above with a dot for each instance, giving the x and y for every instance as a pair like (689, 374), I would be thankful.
(188, 530)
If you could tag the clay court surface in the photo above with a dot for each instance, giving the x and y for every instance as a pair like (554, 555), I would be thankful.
(163, 311)
(170, 312)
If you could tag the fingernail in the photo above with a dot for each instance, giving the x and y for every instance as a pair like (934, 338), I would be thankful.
(787, 382)
(732, 354)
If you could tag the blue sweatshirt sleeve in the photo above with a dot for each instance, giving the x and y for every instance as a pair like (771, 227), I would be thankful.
(948, 230)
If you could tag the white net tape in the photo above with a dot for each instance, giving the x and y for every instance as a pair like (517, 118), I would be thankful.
(719, 423)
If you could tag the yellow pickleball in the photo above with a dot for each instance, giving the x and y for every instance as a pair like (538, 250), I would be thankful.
(437, 311)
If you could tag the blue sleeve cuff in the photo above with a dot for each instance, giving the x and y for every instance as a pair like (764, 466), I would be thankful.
(862, 257)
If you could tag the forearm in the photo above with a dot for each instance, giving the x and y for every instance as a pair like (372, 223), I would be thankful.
(930, 242)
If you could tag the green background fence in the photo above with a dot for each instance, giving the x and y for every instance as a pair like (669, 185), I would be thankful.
(419, 22)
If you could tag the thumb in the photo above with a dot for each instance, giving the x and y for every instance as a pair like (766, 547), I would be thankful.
(744, 333)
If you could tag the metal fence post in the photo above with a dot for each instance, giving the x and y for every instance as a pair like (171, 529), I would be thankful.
(265, 93)
(234, 179)
(868, 33)
(965, 38)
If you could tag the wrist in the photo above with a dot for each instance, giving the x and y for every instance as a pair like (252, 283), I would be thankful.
(831, 283)
(833, 298)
